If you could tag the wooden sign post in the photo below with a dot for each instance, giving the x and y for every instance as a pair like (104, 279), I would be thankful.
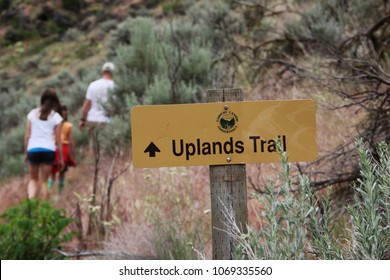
(228, 192)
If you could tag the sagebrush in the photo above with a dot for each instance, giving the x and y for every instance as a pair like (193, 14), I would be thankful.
(298, 224)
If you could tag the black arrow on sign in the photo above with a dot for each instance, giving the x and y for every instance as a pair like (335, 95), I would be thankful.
(152, 149)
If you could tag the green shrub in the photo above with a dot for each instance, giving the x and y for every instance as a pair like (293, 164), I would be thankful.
(13, 165)
(73, 5)
(71, 89)
(14, 107)
(368, 233)
(12, 151)
(370, 212)
(32, 230)
(72, 34)
(149, 4)
(174, 7)
(159, 64)
(16, 34)
(282, 234)
(323, 23)
(115, 135)
(120, 36)
(169, 62)
(303, 227)
(31, 64)
(366, 11)
(109, 25)
(5, 4)
(52, 27)
(80, 137)
(44, 70)
(74, 95)
(83, 52)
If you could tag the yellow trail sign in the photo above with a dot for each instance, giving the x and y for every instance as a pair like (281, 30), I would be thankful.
(223, 133)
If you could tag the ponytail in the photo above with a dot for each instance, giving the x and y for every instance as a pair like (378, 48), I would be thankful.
(49, 103)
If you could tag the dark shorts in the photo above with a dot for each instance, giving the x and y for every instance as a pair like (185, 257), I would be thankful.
(41, 157)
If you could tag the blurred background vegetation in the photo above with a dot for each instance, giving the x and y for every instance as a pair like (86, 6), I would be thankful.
(172, 51)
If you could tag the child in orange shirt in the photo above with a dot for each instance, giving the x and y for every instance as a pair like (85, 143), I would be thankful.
(68, 150)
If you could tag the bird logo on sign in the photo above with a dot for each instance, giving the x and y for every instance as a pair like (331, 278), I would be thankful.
(227, 122)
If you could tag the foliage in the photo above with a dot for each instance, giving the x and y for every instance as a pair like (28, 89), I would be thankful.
(73, 5)
(282, 233)
(72, 34)
(221, 27)
(158, 64)
(115, 135)
(151, 58)
(365, 10)
(356, 73)
(12, 152)
(322, 24)
(336, 47)
(170, 62)
(32, 230)
(370, 212)
(322, 228)
(17, 33)
(301, 226)
(14, 104)
(109, 25)
(71, 88)
(151, 3)
(368, 233)
(4, 4)
(177, 227)
(174, 7)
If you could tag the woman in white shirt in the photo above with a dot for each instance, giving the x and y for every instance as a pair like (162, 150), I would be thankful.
(42, 123)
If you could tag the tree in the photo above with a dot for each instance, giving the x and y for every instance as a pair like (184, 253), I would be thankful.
(169, 62)
(350, 39)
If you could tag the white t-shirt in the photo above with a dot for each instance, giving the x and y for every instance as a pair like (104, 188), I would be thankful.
(97, 92)
(42, 130)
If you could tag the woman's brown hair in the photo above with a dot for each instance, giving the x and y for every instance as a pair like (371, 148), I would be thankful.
(49, 103)
(64, 112)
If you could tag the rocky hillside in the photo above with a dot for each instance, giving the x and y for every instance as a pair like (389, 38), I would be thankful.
(40, 35)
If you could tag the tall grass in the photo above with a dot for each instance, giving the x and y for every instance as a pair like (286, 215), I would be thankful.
(177, 225)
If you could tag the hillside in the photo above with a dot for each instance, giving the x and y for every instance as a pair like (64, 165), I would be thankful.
(173, 51)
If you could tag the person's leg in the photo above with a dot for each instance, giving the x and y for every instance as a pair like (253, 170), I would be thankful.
(91, 138)
(50, 181)
(61, 182)
(54, 170)
(33, 182)
(45, 173)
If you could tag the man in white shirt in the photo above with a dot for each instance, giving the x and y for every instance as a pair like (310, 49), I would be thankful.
(97, 94)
